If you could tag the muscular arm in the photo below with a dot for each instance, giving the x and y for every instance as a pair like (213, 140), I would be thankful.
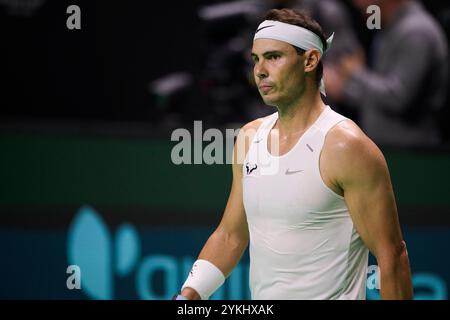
(361, 172)
(228, 242)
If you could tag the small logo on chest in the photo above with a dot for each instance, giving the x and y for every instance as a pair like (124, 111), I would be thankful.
(288, 171)
(250, 167)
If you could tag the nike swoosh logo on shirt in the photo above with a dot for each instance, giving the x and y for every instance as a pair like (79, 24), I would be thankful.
(292, 172)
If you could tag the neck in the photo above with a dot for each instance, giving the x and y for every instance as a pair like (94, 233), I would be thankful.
(298, 116)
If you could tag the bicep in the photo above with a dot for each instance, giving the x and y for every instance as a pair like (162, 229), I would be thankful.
(234, 220)
(370, 199)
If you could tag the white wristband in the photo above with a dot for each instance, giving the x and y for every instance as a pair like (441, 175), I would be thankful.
(205, 278)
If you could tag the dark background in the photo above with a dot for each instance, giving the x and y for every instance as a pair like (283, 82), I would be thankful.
(80, 126)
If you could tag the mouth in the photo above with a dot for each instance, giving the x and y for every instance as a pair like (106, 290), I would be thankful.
(264, 88)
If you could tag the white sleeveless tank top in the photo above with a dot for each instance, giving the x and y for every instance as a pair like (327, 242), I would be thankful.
(303, 244)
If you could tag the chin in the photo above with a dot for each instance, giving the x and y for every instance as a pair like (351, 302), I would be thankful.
(270, 101)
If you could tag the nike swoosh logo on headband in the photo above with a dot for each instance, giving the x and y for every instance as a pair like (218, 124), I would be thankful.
(264, 28)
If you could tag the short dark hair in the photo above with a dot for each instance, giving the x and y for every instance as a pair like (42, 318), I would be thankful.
(301, 19)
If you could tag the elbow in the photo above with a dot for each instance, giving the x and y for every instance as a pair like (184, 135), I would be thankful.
(236, 240)
(395, 273)
(390, 257)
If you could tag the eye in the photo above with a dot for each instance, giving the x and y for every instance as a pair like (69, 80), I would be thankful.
(273, 57)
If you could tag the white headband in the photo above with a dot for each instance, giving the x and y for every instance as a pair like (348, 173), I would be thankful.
(294, 35)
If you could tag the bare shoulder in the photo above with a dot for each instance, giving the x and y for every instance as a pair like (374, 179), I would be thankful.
(254, 125)
(348, 152)
(245, 138)
(347, 135)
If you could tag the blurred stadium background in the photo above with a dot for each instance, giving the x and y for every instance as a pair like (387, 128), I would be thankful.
(86, 174)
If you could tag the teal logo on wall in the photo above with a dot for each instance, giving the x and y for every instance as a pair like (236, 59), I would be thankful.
(91, 247)
(102, 258)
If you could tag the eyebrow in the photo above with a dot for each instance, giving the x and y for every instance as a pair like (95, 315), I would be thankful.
(267, 53)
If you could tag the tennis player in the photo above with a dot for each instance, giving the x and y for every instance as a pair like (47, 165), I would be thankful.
(311, 193)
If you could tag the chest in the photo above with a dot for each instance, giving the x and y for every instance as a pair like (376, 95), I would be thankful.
(280, 145)
(286, 190)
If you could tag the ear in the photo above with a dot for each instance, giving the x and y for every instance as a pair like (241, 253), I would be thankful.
(312, 57)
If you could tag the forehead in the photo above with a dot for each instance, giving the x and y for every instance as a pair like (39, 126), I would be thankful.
(263, 45)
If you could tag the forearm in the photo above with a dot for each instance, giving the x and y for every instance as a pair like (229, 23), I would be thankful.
(222, 249)
(395, 279)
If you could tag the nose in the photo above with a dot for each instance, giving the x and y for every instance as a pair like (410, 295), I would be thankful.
(260, 70)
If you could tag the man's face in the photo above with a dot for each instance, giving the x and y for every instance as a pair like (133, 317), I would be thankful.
(278, 71)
